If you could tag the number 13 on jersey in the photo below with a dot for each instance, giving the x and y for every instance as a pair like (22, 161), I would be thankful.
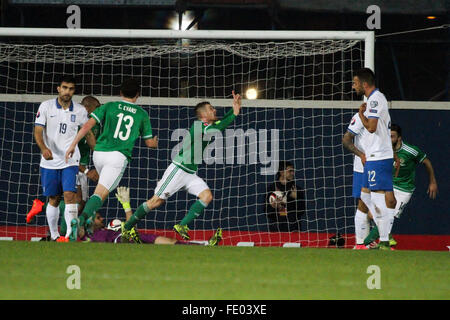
(128, 122)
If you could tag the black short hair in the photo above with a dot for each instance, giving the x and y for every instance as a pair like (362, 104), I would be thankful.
(130, 88)
(200, 106)
(283, 165)
(396, 128)
(365, 75)
(68, 79)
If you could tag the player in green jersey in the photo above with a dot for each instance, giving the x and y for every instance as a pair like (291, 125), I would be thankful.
(181, 172)
(91, 104)
(122, 123)
(404, 184)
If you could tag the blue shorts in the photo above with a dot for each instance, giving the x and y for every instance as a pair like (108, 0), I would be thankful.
(56, 181)
(378, 175)
(358, 182)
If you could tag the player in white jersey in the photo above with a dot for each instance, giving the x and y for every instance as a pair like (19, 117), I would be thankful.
(56, 125)
(353, 141)
(377, 192)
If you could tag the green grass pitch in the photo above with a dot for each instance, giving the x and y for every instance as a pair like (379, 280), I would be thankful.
(37, 270)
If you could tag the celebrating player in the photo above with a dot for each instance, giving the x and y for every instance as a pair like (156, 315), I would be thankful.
(122, 122)
(377, 192)
(181, 172)
(405, 184)
(56, 125)
(353, 141)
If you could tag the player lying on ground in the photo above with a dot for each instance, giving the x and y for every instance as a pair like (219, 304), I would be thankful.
(122, 123)
(112, 232)
(405, 184)
(181, 172)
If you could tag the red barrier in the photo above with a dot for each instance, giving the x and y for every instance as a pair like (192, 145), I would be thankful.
(277, 239)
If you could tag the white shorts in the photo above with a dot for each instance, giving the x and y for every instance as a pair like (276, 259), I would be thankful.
(82, 181)
(175, 178)
(402, 200)
(110, 166)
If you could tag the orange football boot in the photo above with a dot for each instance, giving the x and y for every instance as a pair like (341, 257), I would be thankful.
(62, 239)
(35, 209)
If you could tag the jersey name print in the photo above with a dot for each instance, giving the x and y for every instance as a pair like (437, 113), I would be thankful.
(122, 123)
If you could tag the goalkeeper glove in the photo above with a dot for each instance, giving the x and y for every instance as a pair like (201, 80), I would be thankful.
(123, 195)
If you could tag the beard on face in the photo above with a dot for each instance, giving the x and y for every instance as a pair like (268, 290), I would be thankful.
(394, 143)
(65, 97)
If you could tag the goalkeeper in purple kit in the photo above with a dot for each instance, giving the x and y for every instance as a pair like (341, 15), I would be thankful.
(112, 233)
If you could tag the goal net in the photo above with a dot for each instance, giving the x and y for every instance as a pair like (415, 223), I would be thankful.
(303, 105)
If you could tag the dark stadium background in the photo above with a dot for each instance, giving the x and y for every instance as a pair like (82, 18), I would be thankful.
(412, 67)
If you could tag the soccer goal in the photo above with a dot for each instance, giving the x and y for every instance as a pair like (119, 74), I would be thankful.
(297, 104)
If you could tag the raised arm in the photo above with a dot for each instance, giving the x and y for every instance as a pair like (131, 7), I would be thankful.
(123, 195)
(432, 187)
(230, 115)
(237, 103)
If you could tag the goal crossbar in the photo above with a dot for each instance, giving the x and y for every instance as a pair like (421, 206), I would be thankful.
(257, 103)
(367, 36)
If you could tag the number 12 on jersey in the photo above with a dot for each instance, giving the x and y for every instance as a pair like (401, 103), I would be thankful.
(372, 175)
(128, 121)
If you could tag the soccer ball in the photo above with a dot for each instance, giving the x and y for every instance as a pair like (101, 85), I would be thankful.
(114, 225)
(278, 195)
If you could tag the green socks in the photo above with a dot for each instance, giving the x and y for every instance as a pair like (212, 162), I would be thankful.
(373, 236)
(62, 220)
(194, 211)
(94, 203)
(140, 213)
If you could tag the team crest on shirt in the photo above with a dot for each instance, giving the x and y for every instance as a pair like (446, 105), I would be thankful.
(38, 114)
(73, 117)
(373, 104)
(353, 121)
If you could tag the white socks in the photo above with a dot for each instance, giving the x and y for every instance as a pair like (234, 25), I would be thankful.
(392, 217)
(71, 212)
(52, 214)
(383, 216)
(366, 198)
(362, 226)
